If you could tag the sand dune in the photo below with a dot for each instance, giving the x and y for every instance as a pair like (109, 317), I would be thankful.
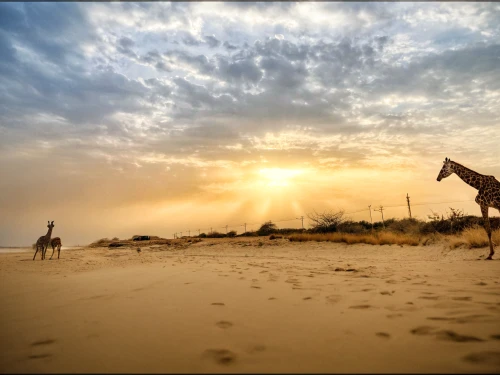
(251, 305)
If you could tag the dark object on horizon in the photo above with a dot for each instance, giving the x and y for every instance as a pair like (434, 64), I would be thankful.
(117, 244)
(141, 238)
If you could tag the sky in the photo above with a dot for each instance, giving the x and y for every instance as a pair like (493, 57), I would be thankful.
(158, 118)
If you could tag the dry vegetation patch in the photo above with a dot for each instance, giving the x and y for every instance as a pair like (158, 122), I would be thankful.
(378, 238)
(474, 237)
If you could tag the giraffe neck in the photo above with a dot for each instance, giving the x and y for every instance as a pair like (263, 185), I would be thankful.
(470, 177)
(49, 233)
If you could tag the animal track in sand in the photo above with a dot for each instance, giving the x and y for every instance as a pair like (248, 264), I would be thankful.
(218, 304)
(453, 336)
(446, 335)
(307, 298)
(462, 298)
(434, 298)
(361, 307)
(256, 349)
(333, 298)
(423, 330)
(39, 356)
(255, 287)
(495, 337)
(220, 356)
(387, 293)
(486, 357)
(224, 324)
(43, 342)
(383, 335)
(392, 316)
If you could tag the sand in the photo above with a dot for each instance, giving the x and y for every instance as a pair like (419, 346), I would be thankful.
(251, 305)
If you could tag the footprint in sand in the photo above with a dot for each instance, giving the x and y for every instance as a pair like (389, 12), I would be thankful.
(455, 337)
(486, 357)
(256, 349)
(43, 342)
(462, 298)
(495, 337)
(333, 298)
(423, 330)
(224, 324)
(220, 356)
(361, 307)
(386, 293)
(306, 298)
(271, 298)
(383, 335)
(255, 287)
(444, 334)
(218, 304)
(39, 356)
(392, 316)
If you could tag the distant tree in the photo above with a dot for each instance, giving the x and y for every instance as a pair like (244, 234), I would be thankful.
(267, 228)
(231, 233)
(327, 221)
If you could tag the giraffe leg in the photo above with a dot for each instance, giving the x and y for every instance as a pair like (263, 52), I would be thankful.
(52, 252)
(487, 227)
(58, 251)
(36, 251)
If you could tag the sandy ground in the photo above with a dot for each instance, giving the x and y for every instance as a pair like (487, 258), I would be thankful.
(251, 305)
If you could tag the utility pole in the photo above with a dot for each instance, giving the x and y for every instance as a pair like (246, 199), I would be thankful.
(371, 220)
(408, 200)
(381, 210)
(226, 228)
(175, 236)
(302, 219)
(245, 227)
(198, 232)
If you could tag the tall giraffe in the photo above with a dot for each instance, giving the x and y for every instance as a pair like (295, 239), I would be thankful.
(488, 191)
(43, 242)
(56, 242)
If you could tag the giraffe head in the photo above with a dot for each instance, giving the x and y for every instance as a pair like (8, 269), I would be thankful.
(50, 225)
(446, 170)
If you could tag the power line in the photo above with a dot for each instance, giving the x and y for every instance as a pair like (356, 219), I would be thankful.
(380, 209)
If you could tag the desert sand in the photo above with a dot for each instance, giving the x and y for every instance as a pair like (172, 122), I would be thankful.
(251, 305)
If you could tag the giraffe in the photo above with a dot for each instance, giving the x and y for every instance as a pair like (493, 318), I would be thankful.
(488, 191)
(43, 242)
(56, 242)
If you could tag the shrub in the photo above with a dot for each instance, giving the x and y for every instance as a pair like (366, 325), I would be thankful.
(267, 228)
(327, 221)
(231, 233)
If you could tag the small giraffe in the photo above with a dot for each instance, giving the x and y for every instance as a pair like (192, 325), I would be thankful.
(56, 242)
(43, 242)
(488, 191)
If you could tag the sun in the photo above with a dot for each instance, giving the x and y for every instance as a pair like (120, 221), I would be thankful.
(279, 177)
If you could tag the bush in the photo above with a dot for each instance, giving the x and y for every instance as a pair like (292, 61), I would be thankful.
(327, 221)
(267, 228)
(216, 234)
(231, 233)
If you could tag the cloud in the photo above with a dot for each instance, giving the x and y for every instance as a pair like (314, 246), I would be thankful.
(212, 41)
(97, 89)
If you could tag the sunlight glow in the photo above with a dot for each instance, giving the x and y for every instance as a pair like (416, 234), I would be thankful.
(278, 176)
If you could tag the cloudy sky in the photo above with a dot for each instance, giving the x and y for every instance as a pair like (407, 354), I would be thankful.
(153, 118)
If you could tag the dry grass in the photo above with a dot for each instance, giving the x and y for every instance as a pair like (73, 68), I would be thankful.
(475, 237)
(379, 238)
